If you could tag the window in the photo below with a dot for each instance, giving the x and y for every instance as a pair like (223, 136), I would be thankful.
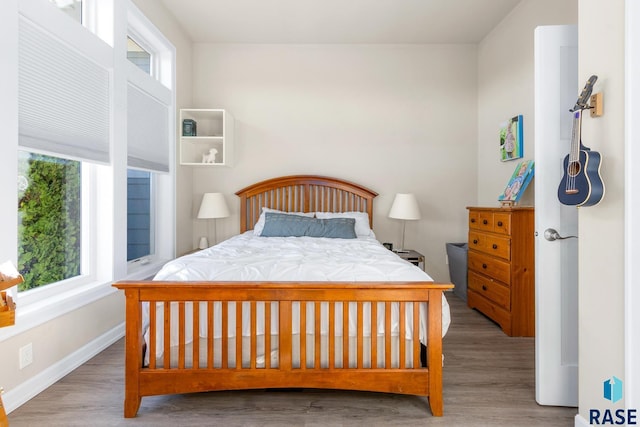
(49, 219)
(150, 117)
(67, 160)
(140, 57)
(140, 224)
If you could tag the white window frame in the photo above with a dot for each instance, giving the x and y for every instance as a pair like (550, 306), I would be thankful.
(147, 36)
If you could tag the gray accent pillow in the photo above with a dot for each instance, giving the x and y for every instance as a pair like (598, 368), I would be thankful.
(283, 225)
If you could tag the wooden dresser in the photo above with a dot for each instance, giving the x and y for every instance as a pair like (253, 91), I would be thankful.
(501, 275)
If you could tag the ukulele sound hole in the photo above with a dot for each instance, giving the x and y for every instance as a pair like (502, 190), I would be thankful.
(574, 169)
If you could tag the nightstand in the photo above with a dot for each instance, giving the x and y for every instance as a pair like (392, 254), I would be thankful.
(414, 257)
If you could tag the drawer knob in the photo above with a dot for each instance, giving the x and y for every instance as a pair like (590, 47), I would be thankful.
(494, 246)
(475, 241)
(485, 222)
(484, 287)
(473, 220)
(484, 266)
(499, 223)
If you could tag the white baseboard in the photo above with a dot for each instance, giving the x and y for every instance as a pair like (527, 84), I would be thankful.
(21, 394)
(580, 422)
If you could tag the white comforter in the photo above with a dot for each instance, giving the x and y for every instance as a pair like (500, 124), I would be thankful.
(247, 257)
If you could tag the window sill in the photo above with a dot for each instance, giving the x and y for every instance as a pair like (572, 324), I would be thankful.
(39, 312)
(144, 271)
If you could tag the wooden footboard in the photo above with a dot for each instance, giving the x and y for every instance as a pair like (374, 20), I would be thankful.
(198, 367)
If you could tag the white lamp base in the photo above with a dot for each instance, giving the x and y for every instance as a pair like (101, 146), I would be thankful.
(204, 243)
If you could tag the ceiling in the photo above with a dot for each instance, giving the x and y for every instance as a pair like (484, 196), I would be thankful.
(339, 21)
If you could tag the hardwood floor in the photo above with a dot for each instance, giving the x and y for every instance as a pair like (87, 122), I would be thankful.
(488, 381)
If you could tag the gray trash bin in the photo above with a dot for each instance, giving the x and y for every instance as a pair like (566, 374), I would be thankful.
(457, 254)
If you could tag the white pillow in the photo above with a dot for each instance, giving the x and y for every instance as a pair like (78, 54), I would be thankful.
(362, 221)
(257, 228)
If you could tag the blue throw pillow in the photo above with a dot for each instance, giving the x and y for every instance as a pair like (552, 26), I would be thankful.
(283, 225)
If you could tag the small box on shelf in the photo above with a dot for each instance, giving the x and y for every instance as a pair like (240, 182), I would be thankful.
(189, 127)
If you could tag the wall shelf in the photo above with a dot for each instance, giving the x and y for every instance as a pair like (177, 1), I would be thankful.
(214, 130)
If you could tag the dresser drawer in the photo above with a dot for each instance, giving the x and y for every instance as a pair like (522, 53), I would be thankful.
(491, 244)
(490, 266)
(490, 289)
(474, 220)
(485, 221)
(481, 220)
(502, 223)
(495, 222)
(499, 315)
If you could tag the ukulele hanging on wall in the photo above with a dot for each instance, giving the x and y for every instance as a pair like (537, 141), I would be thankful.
(581, 184)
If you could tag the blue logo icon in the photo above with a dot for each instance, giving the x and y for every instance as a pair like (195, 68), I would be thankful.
(613, 389)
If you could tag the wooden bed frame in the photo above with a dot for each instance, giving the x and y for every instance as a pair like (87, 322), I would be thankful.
(292, 193)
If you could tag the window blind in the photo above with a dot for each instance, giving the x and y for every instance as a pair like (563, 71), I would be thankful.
(63, 98)
(147, 131)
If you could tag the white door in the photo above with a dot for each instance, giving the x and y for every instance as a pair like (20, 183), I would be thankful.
(556, 91)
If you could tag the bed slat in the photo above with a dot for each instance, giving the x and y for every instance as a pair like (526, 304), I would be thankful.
(284, 347)
(239, 308)
(152, 333)
(303, 334)
(167, 335)
(402, 337)
(345, 334)
(210, 329)
(374, 335)
(195, 356)
(387, 337)
(224, 352)
(267, 334)
(332, 335)
(360, 335)
(416, 334)
(181, 334)
(254, 335)
(317, 347)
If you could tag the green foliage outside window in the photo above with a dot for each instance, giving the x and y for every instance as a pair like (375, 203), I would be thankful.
(49, 219)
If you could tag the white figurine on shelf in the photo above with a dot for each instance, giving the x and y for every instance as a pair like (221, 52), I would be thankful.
(210, 157)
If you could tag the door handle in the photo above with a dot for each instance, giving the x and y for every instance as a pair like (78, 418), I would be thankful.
(552, 235)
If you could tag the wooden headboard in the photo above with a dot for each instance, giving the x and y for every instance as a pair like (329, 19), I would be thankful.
(303, 193)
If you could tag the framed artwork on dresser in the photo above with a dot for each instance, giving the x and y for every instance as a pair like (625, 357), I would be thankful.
(518, 182)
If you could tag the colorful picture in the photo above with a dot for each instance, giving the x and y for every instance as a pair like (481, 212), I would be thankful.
(518, 182)
(511, 139)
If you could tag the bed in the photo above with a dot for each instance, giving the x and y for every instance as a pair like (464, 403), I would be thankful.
(346, 322)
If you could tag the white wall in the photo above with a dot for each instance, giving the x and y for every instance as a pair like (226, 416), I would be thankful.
(505, 88)
(394, 118)
(602, 227)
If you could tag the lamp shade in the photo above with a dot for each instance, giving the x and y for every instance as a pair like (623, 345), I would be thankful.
(213, 206)
(405, 206)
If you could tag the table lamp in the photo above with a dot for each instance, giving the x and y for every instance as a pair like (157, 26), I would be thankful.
(213, 206)
(404, 207)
